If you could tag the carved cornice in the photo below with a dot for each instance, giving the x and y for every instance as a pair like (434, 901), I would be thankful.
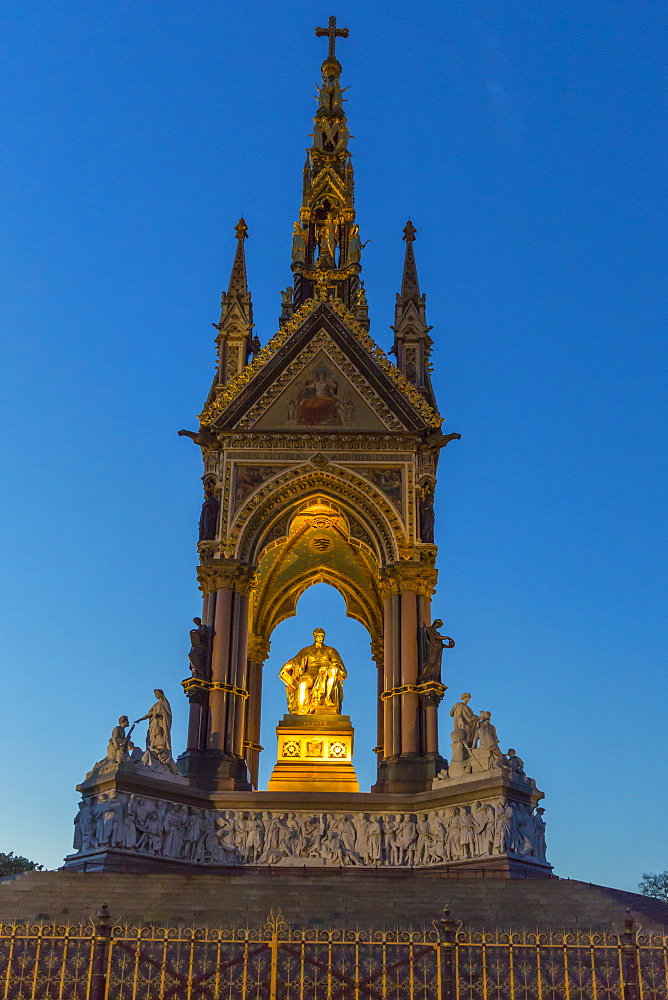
(225, 575)
(409, 576)
(342, 441)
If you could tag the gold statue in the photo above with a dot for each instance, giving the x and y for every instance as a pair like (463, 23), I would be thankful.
(314, 679)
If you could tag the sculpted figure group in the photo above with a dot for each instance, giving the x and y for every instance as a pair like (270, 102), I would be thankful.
(471, 732)
(158, 753)
(171, 830)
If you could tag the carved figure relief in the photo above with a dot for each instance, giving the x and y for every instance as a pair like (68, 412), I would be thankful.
(388, 480)
(248, 477)
(114, 820)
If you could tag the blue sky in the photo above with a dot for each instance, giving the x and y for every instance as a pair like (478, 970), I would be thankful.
(527, 143)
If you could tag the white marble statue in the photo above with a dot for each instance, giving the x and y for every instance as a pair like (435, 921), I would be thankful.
(159, 735)
(464, 717)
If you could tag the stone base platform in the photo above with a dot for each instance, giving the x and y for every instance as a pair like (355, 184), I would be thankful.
(320, 897)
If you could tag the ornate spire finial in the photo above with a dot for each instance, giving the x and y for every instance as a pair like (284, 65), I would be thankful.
(235, 330)
(412, 343)
(332, 32)
(326, 245)
(238, 284)
(410, 288)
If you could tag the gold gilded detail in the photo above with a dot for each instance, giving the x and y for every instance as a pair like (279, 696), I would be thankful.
(415, 577)
(343, 483)
(433, 688)
(225, 575)
(225, 394)
(197, 683)
(258, 648)
(321, 340)
(314, 679)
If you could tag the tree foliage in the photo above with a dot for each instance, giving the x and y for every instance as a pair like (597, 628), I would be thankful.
(654, 884)
(13, 864)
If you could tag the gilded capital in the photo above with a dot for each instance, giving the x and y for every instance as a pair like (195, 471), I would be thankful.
(409, 576)
(377, 651)
(258, 648)
(225, 574)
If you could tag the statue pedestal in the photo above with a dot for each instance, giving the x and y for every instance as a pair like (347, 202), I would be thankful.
(314, 755)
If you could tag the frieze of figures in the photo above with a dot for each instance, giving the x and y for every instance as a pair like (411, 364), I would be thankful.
(116, 820)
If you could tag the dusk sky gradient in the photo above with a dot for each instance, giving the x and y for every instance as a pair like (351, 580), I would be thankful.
(527, 142)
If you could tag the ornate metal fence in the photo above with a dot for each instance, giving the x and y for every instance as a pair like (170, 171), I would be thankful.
(277, 962)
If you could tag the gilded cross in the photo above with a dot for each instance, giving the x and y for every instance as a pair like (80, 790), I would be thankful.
(333, 33)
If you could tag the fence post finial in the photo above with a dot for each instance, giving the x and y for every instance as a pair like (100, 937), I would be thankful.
(98, 984)
(446, 928)
(630, 958)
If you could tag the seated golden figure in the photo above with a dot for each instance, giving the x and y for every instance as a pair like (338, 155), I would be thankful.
(314, 679)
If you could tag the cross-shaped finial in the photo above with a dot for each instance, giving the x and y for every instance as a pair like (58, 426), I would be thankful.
(333, 33)
(409, 232)
(241, 229)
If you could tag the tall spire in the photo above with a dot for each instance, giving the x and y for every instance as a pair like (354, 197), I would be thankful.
(412, 343)
(235, 329)
(410, 287)
(238, 284)
(326, 247)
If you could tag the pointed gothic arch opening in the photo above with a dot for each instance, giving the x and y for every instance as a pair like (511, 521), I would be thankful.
(318, 547)
(322, 605)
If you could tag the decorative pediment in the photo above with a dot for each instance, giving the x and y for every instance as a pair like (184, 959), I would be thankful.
(321, 389)
(325, 356)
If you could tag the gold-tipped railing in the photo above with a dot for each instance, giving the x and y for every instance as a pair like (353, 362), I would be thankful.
(105, 961)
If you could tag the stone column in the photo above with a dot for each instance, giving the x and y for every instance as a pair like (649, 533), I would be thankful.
(220, 763)
(409, 672)
(431, 726)
(429, 702)
(406, 766)
(379, 659)
(396, 675)
(258, 651)
(220, 663)
(240, 673)
(387, 740)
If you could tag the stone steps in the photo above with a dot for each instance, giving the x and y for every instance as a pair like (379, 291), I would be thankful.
(368, 899)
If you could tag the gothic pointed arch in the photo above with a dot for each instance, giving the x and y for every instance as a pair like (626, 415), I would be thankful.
(286, 492)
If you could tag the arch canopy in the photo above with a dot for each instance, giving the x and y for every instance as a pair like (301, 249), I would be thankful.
(318, 547)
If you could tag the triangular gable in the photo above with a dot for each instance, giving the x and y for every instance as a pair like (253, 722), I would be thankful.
(385, 399)
(316, 392)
